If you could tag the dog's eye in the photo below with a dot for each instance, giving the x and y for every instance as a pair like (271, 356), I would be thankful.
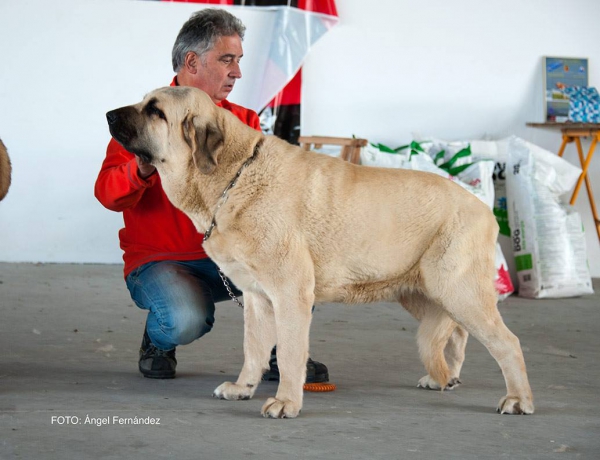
(151, 109)
(159, 113)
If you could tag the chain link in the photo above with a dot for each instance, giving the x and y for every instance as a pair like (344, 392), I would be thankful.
(223, 197)
(229, 290)
(213, 223)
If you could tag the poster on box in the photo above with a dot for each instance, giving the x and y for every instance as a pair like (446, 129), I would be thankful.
(561, 73)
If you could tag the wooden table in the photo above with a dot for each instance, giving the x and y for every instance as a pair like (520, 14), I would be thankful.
(573, 132)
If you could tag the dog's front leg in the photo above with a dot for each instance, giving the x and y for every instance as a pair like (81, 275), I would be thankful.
(293, 325)
(259, 339)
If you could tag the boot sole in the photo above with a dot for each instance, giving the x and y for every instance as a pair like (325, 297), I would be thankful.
(158, 374)
(324, 378)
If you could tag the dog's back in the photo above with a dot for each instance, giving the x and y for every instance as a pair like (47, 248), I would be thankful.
(5, 171)
(372, 232)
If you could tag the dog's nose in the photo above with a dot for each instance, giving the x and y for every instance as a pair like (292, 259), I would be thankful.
(111, 117)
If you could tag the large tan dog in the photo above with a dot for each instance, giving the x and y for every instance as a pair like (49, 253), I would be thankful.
(299, 227)
(5, 171)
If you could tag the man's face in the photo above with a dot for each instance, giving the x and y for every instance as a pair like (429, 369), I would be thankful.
(218, 69)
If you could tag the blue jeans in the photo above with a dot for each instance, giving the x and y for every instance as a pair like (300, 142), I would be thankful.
(180, 297)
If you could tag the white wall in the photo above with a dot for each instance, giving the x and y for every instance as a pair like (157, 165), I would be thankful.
(455, 70)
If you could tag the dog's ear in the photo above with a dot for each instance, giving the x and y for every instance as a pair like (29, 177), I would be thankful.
(205, 141)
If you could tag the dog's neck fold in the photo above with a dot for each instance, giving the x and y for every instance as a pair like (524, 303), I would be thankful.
(198, 194)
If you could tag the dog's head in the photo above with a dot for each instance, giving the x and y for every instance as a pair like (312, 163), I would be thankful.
(169, 123)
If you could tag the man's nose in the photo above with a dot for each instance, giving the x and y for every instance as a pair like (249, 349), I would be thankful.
(236, 71)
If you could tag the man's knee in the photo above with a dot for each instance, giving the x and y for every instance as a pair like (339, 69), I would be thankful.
(185, 332)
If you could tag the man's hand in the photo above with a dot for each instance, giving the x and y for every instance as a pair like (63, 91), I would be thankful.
(145, 169)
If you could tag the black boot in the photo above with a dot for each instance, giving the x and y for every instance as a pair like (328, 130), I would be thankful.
(155, 363)
(315, 372)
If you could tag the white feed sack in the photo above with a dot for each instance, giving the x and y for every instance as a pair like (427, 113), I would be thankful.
(547, 235)
(542, 237)
(556, 243)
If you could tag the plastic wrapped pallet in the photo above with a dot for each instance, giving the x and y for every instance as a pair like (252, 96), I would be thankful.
(548, 239)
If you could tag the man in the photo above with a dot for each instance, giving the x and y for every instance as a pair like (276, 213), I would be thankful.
(167, 271)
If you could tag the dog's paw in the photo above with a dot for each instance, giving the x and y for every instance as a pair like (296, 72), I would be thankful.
(233, 391)
(515, 406)
(453, 383)
(430, 384)
(274, 408)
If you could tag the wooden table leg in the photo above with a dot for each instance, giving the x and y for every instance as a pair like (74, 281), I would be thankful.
(566, 140)
(585, 163)
(588, 185)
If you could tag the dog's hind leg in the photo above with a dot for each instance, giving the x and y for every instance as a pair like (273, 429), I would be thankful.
(469, 297)
(487, 326)
(455, 355)
(259, 339)
(457, 271)
(433, 337)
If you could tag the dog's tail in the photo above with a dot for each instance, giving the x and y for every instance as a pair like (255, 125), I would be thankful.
(5, 171)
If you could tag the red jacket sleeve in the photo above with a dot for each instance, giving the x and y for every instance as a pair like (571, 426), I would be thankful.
(253, 120)
(119, 185)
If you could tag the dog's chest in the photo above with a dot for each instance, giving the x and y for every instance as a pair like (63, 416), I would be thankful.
(234, 270)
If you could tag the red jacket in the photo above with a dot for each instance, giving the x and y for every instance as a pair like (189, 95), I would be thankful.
(154, 228)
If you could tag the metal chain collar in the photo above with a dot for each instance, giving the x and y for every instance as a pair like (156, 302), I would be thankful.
(213, 223)
(229, 290)
(224, 195)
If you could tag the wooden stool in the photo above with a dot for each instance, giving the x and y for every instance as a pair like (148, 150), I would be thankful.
(350, 146)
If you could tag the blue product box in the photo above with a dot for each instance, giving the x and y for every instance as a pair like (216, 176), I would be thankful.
(584, 104)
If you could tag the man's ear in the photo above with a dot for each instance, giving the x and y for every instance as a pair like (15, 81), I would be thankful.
(191, 62)
(205, 141)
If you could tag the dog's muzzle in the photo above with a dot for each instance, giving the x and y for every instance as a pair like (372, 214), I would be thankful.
(125, 132)
(112, 117)
(119, 128)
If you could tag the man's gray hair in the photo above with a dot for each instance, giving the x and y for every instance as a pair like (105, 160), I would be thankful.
(201, 31)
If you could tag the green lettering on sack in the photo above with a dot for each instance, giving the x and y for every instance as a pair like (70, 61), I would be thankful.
(502, 219)
(524, 262)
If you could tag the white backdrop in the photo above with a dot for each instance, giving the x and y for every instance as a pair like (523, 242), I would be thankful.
(456, 70)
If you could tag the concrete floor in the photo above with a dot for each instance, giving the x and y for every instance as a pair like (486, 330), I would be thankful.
(69, 342)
